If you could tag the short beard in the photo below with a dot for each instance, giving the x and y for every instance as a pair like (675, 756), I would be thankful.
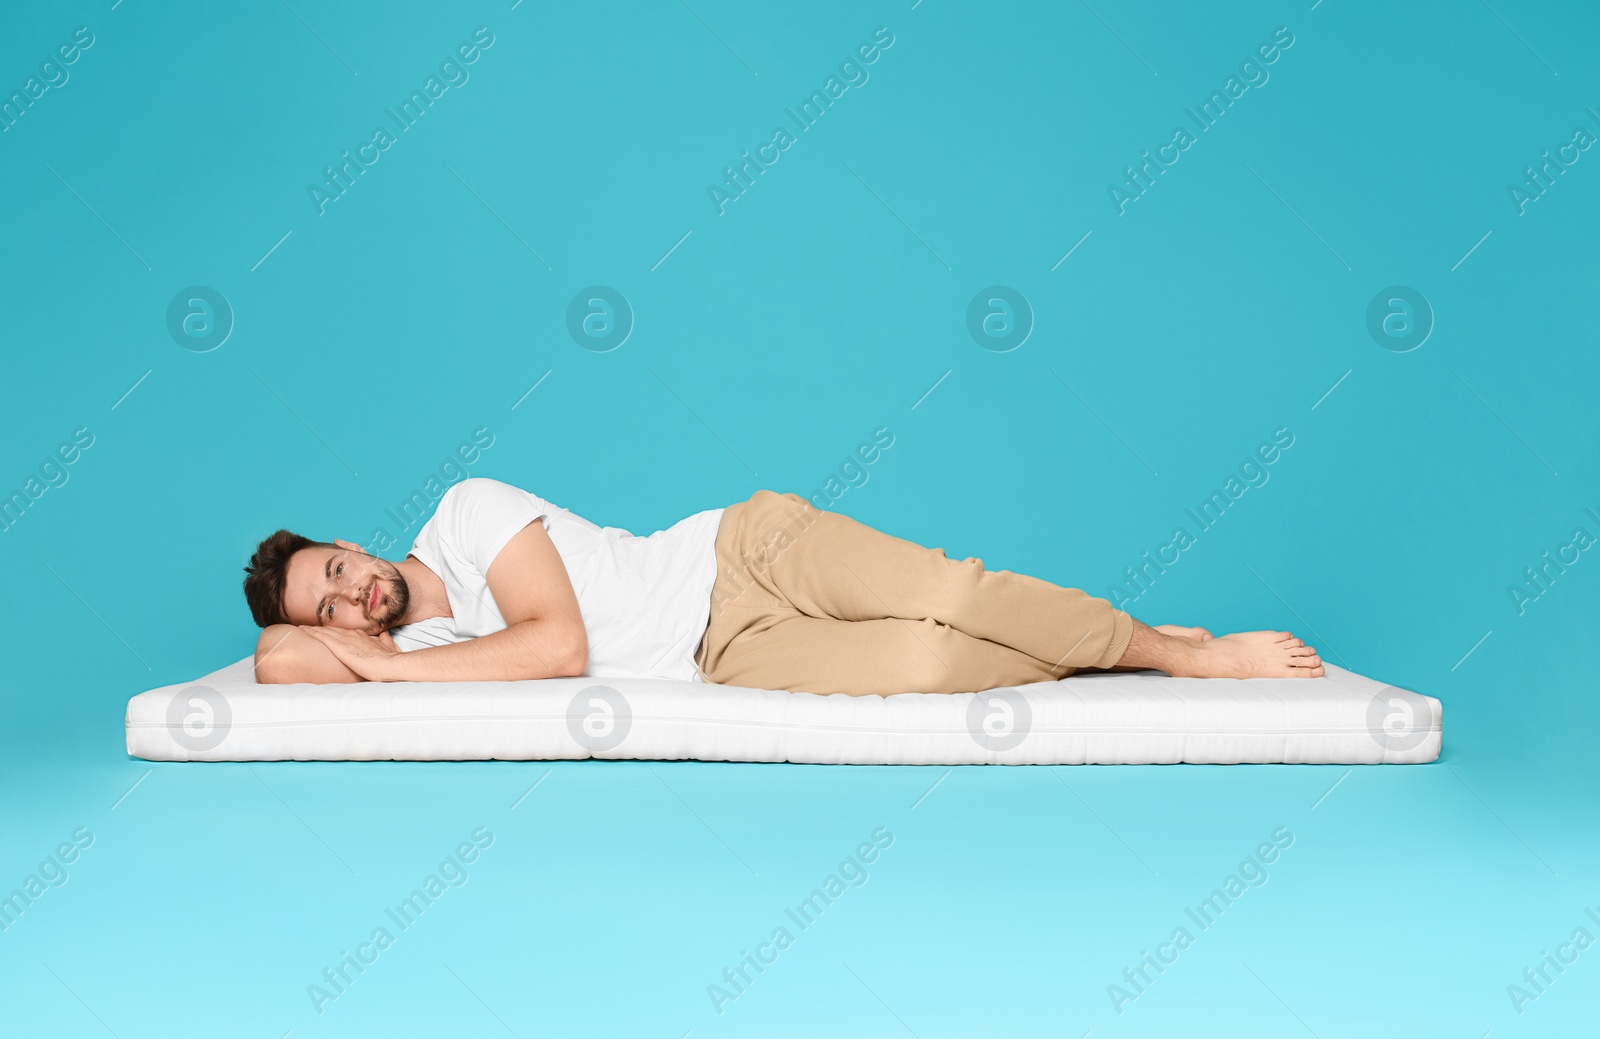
(396, 599)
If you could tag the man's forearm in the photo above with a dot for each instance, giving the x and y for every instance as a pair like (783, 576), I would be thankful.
(530, 649)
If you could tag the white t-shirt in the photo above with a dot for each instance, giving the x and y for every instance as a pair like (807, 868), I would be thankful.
(645, 600)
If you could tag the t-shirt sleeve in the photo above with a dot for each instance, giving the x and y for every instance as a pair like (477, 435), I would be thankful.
(433, 631)
(485, 515)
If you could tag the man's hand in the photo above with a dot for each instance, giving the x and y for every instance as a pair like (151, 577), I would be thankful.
(367, 655)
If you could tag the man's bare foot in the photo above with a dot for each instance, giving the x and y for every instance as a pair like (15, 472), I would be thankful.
(1250, 654)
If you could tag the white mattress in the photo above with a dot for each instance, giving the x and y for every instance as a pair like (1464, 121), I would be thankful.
(1119, 718)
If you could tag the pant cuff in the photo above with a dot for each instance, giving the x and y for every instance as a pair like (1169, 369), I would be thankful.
(1121, 635)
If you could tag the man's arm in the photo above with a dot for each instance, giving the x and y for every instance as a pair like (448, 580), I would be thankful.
(544, 635)
(286, 654)
(527, 649)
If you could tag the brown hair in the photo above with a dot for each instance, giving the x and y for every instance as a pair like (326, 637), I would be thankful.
(267, 573)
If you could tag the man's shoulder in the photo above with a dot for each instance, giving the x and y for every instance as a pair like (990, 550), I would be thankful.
(482, 492)
(455, 505)
(473, 486)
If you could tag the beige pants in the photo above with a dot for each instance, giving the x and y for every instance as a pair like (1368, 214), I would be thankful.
(812, 601)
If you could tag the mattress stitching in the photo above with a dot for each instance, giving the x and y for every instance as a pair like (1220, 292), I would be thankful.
(1084, 729)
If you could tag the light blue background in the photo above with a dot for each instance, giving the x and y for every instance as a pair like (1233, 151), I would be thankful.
(826, 302)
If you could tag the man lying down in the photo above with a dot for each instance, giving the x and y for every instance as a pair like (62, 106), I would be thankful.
(771, 593)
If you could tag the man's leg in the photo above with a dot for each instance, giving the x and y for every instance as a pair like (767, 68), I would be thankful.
(1197, 634)
(831, 566)
(866, 657)
(826, 565)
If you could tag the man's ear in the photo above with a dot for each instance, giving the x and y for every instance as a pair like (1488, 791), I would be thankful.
(348, 547)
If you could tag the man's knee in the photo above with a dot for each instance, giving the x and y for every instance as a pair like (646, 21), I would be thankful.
(785, 509)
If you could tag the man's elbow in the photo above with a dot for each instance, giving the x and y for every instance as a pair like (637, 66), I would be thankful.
(577, 661)
(273, 656)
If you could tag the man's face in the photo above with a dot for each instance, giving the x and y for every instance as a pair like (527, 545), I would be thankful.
(334, 587)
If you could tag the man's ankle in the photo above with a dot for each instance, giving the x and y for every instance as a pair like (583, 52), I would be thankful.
(1149, 648)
